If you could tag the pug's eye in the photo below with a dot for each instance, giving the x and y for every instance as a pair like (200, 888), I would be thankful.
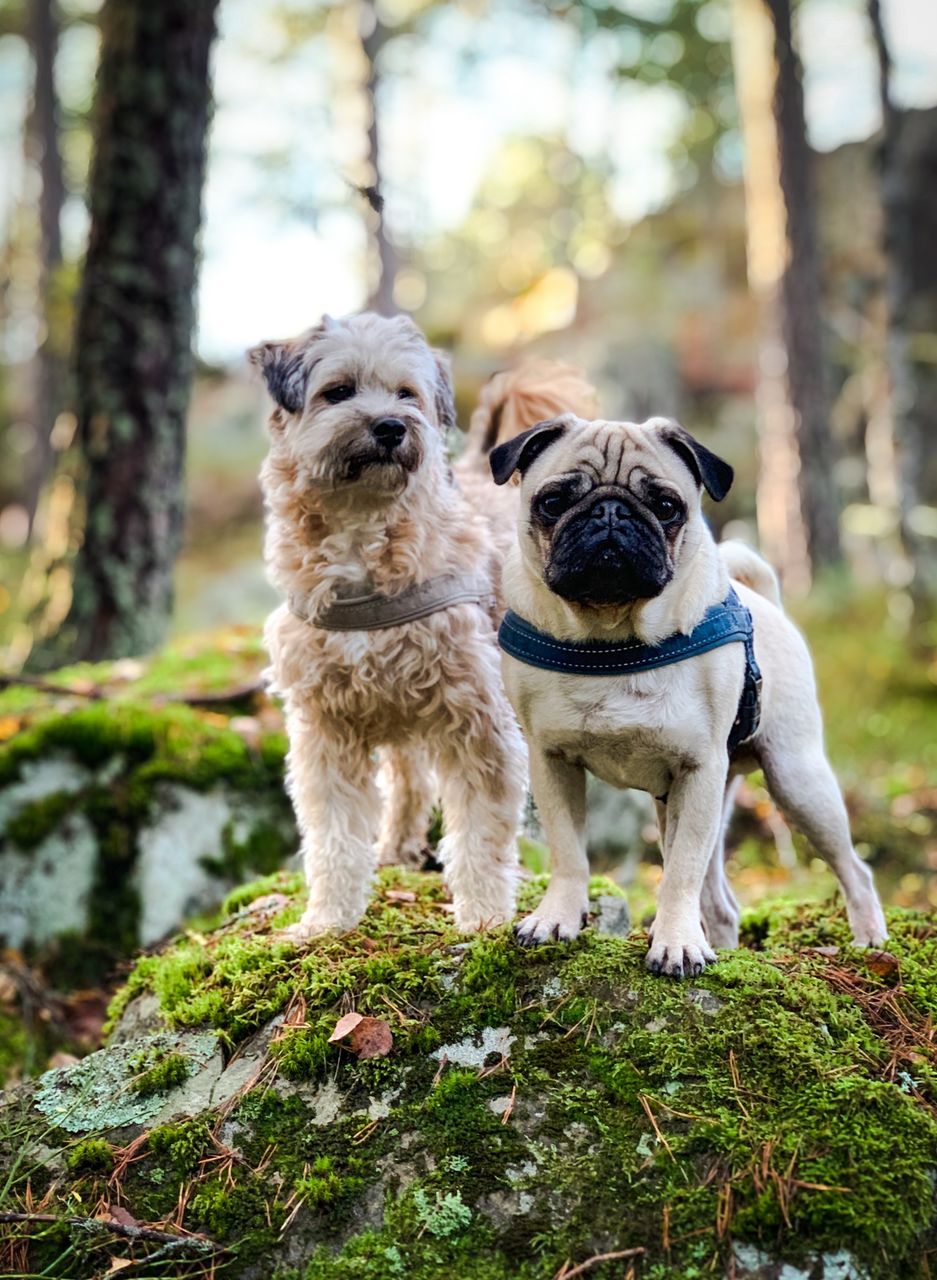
(667, 509)
(406, 393)
(552, 505)
(341, 391)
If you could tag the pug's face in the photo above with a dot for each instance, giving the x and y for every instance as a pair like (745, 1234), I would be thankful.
(610, 506)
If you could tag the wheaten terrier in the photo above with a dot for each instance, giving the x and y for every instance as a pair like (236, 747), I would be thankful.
(386, 639)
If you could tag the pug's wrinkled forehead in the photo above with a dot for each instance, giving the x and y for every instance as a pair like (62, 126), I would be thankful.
(625, 454)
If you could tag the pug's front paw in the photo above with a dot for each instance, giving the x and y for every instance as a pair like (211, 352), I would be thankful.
(678, 953)
(559, 917)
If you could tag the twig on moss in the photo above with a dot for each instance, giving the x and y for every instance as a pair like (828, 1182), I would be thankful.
(643, 1099)
(199, 1244)
(594, 1261)
(97, 693)
(49, 686)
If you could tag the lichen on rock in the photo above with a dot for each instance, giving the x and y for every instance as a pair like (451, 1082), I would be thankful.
(772, 1119)
(121, 816)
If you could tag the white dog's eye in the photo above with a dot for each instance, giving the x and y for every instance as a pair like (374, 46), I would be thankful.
(343, 391)
(406, 393)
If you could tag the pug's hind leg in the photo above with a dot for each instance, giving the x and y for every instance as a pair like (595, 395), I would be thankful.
(409, 787)
(720, 909)
(559, 790)
(805, 789)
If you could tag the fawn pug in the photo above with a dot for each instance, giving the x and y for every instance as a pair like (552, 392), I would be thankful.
(637, 649)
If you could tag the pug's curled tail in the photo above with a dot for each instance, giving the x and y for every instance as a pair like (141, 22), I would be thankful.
(747, 566)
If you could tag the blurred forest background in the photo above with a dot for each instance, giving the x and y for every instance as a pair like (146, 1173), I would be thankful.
(723, 210)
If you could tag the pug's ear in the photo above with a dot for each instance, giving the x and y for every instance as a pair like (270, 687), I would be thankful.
(711, 472)
(518, 453)
(283, 367)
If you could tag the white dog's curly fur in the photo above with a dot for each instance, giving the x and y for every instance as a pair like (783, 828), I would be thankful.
(344, 511)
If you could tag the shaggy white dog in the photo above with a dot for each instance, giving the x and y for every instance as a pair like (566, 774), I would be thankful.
(386, 639)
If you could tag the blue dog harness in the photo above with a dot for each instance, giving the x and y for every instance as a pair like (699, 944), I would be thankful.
(725, 623)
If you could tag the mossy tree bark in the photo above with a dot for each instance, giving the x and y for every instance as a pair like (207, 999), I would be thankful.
(135, 317)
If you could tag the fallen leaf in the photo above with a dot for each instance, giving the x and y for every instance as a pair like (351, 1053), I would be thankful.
(882, 963)
(400, 895)
(117, 1213)
(367, 1037)
(344, 1026)
(823, 951)
(371, 1038)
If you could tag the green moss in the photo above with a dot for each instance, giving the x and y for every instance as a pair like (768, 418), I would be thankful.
(158, 1072)
(180, 1146)
(38, 819)
(92, 1155)
(784, 1099)
(129, 748)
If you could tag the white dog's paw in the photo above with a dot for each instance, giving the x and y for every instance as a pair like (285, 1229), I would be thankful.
(679, 953)
(558, 918)
(317, 924)
(868, 926)
(474, 915)
(409, 853)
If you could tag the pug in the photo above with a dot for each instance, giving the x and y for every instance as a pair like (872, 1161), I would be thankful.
(613, 559)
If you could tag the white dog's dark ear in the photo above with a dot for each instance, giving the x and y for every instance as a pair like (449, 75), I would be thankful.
(714, 474)
(445, 392)
(518, 453)
(283, 366)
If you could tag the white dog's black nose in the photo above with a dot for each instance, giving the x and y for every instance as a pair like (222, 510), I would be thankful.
(388, 432)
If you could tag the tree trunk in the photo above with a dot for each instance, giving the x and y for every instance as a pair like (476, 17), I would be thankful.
(797, 506)
(43, 146)
(902, 450)
(373, 38)
(135, 318)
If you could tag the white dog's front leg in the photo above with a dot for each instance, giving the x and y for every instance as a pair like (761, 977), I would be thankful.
(481, 777)
(694, 814)
(559, 790)
(330, 781)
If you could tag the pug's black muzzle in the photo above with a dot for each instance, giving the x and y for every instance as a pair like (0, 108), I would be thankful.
(608, 549)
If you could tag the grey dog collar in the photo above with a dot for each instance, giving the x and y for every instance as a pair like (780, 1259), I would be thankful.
(373, 611)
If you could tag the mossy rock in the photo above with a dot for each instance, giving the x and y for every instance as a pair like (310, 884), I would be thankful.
(538, 1108)
(133, 796)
